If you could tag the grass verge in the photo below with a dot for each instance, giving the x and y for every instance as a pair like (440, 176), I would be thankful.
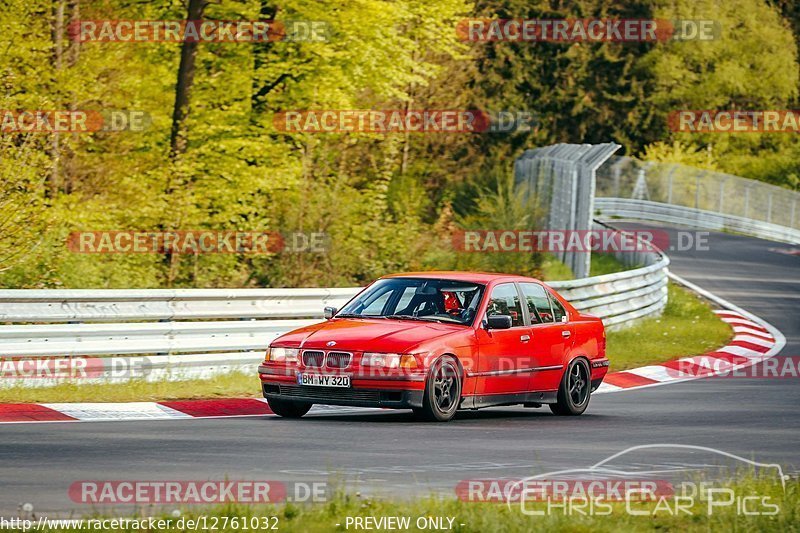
(235, 384)
(767, 497)
(555, 270)
(687, 327)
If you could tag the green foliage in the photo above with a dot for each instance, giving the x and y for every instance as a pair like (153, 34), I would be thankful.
(23, 214)
(388, 202)
(751, 66)
(678, 152)
(499, 207)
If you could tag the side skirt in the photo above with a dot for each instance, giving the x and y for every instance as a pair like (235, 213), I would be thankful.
(494, 400)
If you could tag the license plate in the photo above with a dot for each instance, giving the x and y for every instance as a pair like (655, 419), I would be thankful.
(319, 380)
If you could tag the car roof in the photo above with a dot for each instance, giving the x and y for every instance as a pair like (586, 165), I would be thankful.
(475, 277)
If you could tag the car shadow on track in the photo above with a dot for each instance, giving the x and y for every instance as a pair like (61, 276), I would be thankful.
(407, 417)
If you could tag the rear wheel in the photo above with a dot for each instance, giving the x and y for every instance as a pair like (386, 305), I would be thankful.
(574, 391)
(442, 391)
(288, 408)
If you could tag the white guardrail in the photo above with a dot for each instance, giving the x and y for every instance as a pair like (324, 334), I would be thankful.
(198, 333)
(697, 218)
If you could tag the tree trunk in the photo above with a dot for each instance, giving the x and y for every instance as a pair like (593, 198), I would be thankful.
(177, 140)
(74, 50)
(183, 88)
(260, 51)
(73, 54)
(57, 35)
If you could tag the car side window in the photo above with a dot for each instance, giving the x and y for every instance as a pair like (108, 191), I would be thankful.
(538, 303)
(505, 301)
(559, 313)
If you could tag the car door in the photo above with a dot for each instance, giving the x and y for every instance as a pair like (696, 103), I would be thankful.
(503, 353)
(550, 336)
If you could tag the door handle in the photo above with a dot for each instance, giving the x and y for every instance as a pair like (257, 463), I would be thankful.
(565, 333)
(524, 338)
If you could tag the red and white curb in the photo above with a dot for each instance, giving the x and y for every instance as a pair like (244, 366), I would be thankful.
(750, 345)
(754, 340)
(166, 410)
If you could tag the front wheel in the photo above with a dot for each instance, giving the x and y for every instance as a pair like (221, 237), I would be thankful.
(442, 391)
(574, 391)
(288, 408)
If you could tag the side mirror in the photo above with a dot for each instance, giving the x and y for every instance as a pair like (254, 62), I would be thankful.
(498, 322)
(328, 312)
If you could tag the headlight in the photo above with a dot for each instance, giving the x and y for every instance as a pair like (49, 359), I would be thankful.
(388, 360)
(282, 355)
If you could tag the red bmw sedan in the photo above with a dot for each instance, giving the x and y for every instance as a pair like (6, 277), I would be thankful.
(436, 342)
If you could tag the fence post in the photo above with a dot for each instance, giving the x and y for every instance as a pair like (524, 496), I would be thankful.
(769, 207)
(747, 201)
(697, 191)
(578, 264)
(669, 185)
(567, 186)
(640, 191)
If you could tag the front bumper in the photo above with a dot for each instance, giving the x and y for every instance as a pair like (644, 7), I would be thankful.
(401, 391)
(357, 397)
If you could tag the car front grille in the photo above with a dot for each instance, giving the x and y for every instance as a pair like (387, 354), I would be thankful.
(339, 359)
(318, 359)
(313, 358)
(323, 394)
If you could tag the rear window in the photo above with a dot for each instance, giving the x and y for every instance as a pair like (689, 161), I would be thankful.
(538, 302)
(559, 313)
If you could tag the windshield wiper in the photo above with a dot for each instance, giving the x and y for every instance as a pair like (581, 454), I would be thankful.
(403, 317)
(424, 318)
(441, 320)
(356, 315)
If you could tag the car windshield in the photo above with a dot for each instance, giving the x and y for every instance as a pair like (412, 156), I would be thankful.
(435, 300)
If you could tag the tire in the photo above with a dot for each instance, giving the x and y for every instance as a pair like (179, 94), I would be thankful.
(288, 408)
(442, 391)
(575, 389)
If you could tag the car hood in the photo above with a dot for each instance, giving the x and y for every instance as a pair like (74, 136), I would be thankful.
(372, 335)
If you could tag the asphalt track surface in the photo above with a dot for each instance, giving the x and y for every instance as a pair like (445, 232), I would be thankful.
(388, 453)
